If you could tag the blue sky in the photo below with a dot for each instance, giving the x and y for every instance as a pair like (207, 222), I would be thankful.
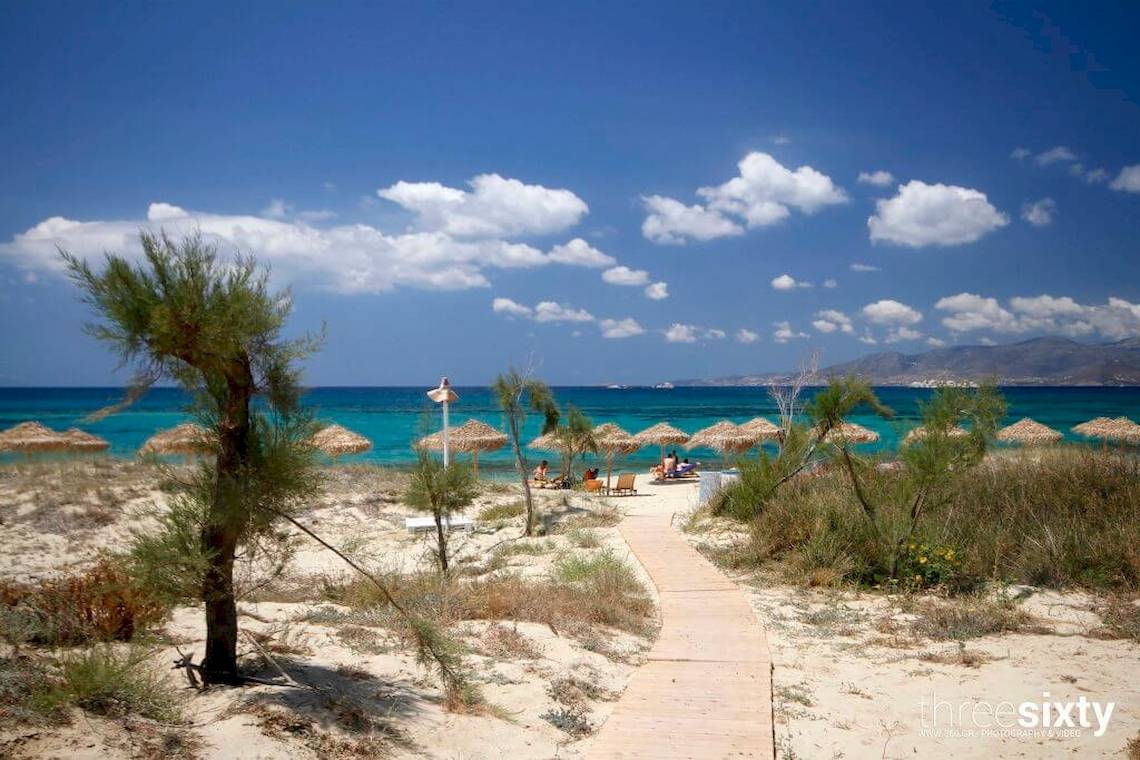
(455, 187)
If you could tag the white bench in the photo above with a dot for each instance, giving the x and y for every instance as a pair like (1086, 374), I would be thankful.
(427, 524)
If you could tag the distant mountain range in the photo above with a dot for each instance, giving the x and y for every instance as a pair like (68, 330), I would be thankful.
(1040, 361)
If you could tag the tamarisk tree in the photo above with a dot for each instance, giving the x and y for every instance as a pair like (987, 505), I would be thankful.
(215, 328)
(517, 393)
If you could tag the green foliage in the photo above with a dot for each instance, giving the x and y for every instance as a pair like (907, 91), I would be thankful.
(922, 564)
(1056, 518)
(576, 437)
(214, 327)
(112, 682)
(440, 491)
(517, 394)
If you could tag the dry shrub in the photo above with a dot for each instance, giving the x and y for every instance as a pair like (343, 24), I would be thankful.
(598, 591)
(503, 642)
(1121, 619)
(287, 725)
(971, 618)
(102, 603)
(497, 512)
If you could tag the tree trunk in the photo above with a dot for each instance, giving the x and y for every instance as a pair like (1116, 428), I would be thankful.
(442, 540)
(222, 531)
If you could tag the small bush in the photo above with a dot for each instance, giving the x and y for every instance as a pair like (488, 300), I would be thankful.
(971, 618)
(583, 538)
(572, 721)
(27, 693)
(497, 512)
(106, 682)
(101, 604)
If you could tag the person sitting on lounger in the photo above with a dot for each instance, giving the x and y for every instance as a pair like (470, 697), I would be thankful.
(670, 465)
(684, 469)
(590, 474)
(539, 474)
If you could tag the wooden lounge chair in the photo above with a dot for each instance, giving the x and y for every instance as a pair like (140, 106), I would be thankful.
(624, 485)
(593, 485)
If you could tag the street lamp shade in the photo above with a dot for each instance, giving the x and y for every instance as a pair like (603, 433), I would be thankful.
(443, 393)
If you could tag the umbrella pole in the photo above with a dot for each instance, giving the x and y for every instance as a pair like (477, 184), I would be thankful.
(475, 462)
(609, 467)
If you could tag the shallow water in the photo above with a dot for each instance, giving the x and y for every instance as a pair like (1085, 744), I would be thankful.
(393, 417)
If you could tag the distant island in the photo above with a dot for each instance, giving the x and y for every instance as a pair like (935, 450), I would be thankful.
(1048, 361)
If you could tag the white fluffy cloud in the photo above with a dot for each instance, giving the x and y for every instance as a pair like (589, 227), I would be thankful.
(347, 258)
(936, 342)
(1114, 320)
(831, 282)
(511, 308)
(714, 334)
(580, 253)
(1039, 213)
(1128, 180)
(744, 335)
(857, 267)
(623, 275)
(681, 333)
(494, 207)
(764, 192)
(784, 332)
(1019, 154)
(921, 214)
(551, 311)
(787, 282)
(673, 223)
(878, 178)
(891, 313)
(620, 328)
(830, 320)
(657, 291)
(1055, 155)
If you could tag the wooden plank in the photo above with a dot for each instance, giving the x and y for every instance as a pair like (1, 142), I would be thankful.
(706, 688)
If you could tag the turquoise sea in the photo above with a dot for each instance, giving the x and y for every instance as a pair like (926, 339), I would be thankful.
(392, 417)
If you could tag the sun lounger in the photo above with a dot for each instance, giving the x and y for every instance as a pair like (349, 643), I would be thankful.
(624, 485)
(593, 485)
(427, 524)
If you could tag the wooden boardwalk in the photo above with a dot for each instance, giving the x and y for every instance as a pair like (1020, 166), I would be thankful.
(706, 690)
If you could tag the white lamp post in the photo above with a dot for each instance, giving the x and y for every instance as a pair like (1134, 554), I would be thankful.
(444, 395)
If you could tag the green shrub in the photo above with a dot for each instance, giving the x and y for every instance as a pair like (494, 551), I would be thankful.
(1060, 517)
(116, 683)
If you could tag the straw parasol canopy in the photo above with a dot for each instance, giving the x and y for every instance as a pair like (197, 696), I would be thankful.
(29, 437)
(80, 440)
(725, 437)
(613, 440)
(762, 428)
(471, 437)
(548, 442)
(920, 432)
(851, 433)
(662, 434)
(1029, 432)
(1119, 429)
(186, 439)
(337, 440)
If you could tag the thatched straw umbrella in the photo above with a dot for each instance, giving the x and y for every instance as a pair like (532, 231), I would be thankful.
(1029, 432)
(613, 440)
(80, 440)
(920, 432)
(471, 437)
(725, 437)
(852, 433)
(662, 434)
(763, 428)
(1120, 429)
(187, 439)
(337, 440)
(29, 437)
